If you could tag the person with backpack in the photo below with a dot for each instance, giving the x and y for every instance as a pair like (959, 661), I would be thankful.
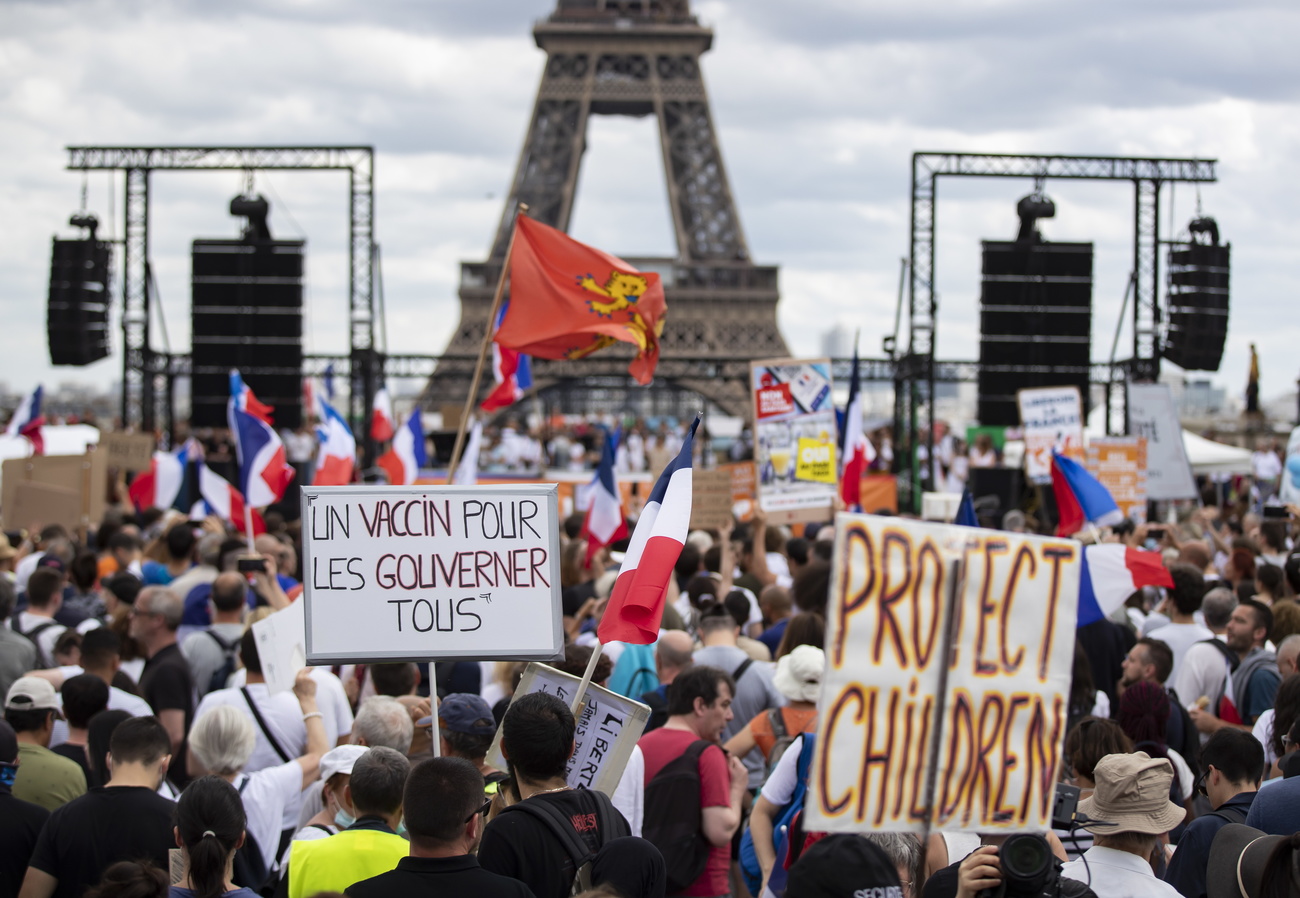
(799, 679)
(694, 790)
(213, 652)
(552, 836)
(1234, 765)
(37, 623)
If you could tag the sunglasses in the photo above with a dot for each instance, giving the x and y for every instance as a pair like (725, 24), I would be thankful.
(481, 811)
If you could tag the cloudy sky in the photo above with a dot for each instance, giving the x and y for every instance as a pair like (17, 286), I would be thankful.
(819, 105)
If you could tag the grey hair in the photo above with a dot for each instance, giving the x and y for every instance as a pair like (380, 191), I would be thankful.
(165, 603)
(210, 548)
(383, 721)
(1288, 644)
(222, 740)
(378, 778)
(1217, 607)
(903, 851)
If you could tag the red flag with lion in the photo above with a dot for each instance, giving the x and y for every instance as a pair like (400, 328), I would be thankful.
(568, 300)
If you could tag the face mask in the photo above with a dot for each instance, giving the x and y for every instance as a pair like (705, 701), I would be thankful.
(8, 772)
(342, 819)
(401, 828)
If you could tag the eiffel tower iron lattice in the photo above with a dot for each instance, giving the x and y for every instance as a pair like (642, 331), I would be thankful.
(634, 58)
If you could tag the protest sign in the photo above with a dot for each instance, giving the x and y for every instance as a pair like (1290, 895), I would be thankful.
(794, 438)
(608, 728)
(1120, 465)
(280, 647)
(1151, 414)
(1053, 421)
(721, 493)
(948, 659)
(128, 451)
(416, 573)
(85, 475)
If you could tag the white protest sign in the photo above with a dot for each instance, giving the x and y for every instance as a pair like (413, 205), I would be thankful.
(607, 729)
(1052, 418)
(1001, 724)
(1151, 414)
(280, 646)
(417, 573)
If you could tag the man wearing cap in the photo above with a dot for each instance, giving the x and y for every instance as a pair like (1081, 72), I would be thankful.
(1130, 810)
(465, 730)
(843, 866)
(17, 652)
(20, 821)
(43, 778)
(1234, 764)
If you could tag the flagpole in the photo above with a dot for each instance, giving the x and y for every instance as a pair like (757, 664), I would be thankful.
(483, 350)
(578, 696)
(248, 527)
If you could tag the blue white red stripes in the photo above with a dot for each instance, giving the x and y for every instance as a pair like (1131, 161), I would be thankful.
(407, 456)
(263, 472)
(1080, 497)
(27, 420)
(1112, 573)
(604, 523)
(161, 485)
(636, 605)
(337, 456)
(382, 425)
(856, 450)
(512, 370)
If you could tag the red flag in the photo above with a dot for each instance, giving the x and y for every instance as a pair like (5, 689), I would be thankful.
(569, 300)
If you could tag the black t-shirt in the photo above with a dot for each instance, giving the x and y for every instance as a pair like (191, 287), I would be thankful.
(106, 825)
(20, 825)
(431, 877)
(518, 845)
(166, 685)
(78, 753)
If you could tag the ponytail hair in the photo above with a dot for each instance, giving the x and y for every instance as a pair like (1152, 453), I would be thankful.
(210, 819)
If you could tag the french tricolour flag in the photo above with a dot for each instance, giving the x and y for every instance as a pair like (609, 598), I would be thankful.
(604, 523)
(27, 421)
(1080, 497)
(636, 605)
(407, 456)
(162, 484)
(242, 395)
(381, 419)
(337, 455)
(220, 498)
(1112, 573)
(855, 449)
(513, 372)
(263, 473)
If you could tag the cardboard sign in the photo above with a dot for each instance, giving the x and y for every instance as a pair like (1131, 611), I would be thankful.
(280, 646)
(128, 451)
(1053, 422)
(417, 573)
(1120, 465)
(1151, 415)
(710, 498)
(794, 439)
(85, 475)
(609, 726)
(996, 714)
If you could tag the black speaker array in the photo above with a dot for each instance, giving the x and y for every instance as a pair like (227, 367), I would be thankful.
(77, 314)
(1035, 323)
(246, 313)
(1198, 305)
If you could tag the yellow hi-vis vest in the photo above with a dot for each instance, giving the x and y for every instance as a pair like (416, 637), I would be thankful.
(334, 863)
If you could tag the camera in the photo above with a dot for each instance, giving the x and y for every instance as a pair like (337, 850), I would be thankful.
(1029, 868)
(251, 564)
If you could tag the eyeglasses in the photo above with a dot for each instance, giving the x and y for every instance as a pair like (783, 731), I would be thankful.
(140, 612)
(1200, 783)
(481, 811)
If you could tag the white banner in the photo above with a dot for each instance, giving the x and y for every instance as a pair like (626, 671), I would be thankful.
(1052, 418)
(1151, 414)
(608, 728)
(416, 573)
(1000, 729)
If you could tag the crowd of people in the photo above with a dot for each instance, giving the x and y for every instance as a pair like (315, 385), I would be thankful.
(144, 753)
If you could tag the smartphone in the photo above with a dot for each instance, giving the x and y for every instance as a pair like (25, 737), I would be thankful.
(251, 564)
(1276, 511)
(1157, 532)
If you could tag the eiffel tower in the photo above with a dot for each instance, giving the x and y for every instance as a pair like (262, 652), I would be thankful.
(635, 58)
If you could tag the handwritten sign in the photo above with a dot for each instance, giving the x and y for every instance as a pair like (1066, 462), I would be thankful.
(414, 573)
(1000, 721)
(1053, 421)
(794, 438)
(128, 451)
(607, 729)
(1152, 415)
(1120, 465)
(280, 648)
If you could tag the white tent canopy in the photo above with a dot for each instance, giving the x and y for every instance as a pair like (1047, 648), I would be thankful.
(1209, 457)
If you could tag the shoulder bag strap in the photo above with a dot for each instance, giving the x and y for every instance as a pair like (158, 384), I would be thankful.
(740, 671)
(261, 722)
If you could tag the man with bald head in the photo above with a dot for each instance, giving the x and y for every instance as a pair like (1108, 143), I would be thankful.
(207, 648)
(673, 654)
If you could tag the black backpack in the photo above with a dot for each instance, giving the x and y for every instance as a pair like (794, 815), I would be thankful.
(229, 663)
(250, 869)
(562, 828)
(32, 634)
(672, 818)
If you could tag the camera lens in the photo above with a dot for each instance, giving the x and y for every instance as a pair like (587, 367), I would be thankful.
(1027, 863)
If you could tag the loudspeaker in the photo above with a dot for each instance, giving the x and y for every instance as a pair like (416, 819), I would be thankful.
(1007, 484)
(1198, 305)
(77, 312)
(246, 313)
(1035, 323)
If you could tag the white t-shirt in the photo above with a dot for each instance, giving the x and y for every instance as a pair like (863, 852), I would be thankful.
(25, 622)
(1266, 465)
(118, 700)
(1263, 731)
(330, 697)
(780, 785)
(1180, 638)
(266, 794)
(629, 795)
